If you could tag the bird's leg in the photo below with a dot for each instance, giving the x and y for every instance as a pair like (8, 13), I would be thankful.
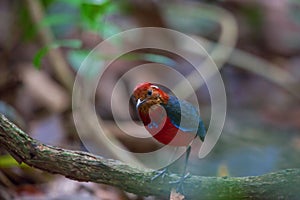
(165, 170)
(184, 174)
(161, 173)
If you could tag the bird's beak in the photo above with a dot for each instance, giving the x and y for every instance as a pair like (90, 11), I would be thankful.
(140, 102)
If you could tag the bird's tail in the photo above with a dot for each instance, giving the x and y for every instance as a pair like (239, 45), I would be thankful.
(201, 131)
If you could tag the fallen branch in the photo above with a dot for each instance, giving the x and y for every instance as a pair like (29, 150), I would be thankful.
(84, 166)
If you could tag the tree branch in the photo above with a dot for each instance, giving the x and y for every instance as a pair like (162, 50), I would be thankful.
(84, 166)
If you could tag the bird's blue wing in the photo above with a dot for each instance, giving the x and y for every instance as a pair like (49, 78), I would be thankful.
(184, 116)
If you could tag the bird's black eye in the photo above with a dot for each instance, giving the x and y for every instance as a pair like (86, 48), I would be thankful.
(149, 92)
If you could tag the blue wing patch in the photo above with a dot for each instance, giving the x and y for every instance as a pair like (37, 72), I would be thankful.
(184, 116)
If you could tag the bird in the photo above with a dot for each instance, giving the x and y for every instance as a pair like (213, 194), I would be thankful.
(170, 120)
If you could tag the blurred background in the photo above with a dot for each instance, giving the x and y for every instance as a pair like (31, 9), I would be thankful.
(255, 44)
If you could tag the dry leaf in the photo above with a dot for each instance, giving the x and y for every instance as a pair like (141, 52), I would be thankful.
(176, 196)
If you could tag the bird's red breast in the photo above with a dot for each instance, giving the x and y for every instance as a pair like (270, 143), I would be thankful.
(155, 118)
(159, 125)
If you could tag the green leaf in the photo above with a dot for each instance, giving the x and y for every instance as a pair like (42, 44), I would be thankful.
(96, 2)
(25, 21)
(75, 3)
(57, 19)
(7, 161)
(92, 13)
(72, 43)
(39, 55)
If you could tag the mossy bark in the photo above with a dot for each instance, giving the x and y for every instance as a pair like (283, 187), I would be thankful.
(84, 166)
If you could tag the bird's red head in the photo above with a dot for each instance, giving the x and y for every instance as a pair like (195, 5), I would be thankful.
(147, 94)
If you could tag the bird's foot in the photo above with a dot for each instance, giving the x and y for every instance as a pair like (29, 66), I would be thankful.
(161, 174)
(180, 183)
